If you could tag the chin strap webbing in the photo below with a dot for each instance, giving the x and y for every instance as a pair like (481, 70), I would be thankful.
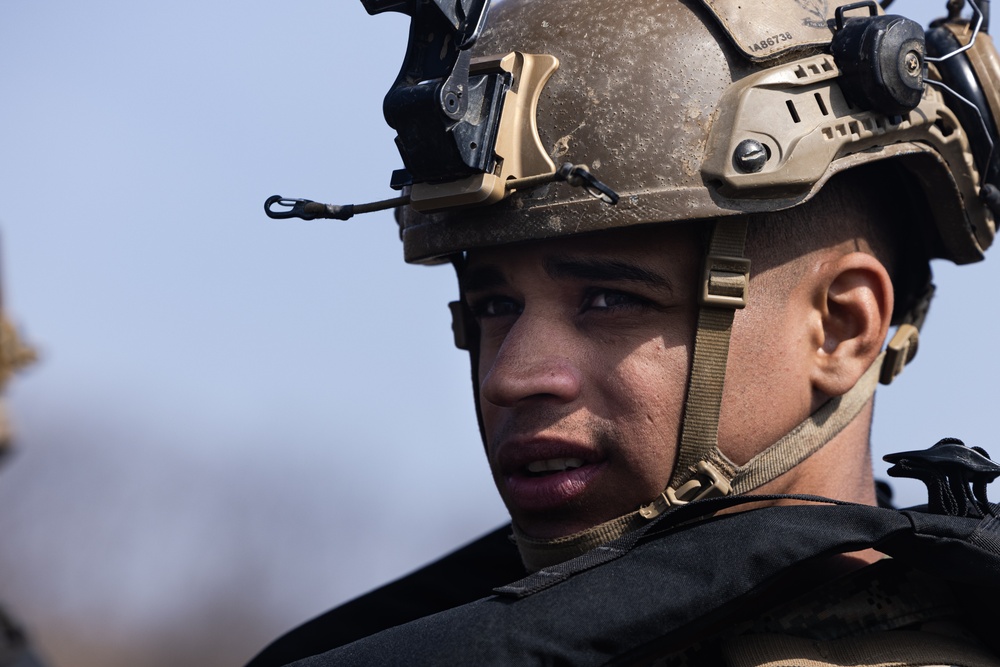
(724, 288)
(537, 553)
(725, 283)
(702, 470)
(809, 436)
(831, 418)
(718, 473)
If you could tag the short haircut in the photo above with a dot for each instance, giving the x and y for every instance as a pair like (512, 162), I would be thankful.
(877, 206)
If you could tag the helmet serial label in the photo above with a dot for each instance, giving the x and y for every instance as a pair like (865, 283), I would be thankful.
(770, 42)
(764, 29)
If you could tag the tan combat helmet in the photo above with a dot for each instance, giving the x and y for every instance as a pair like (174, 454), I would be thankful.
(670, 110)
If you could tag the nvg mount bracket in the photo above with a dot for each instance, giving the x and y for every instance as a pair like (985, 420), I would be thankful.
(466, 128)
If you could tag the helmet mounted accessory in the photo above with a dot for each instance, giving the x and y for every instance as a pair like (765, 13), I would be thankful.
(466, 126)
(786, 96)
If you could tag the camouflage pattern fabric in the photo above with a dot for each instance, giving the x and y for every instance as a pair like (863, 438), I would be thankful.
(883, 614)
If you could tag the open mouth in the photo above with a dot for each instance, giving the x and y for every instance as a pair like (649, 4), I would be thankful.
(544, 484)
(550, 466)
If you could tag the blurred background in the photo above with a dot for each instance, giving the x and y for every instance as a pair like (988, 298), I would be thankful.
(237, 423)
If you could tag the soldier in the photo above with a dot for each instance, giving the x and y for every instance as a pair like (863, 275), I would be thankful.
(14, 355)
(676, 335)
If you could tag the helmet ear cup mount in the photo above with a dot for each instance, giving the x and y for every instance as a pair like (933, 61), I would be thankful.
(881, 59)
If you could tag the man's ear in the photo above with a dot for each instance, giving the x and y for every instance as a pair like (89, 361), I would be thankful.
(854, 298)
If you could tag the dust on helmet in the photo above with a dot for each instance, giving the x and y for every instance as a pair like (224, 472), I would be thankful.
(692, 111)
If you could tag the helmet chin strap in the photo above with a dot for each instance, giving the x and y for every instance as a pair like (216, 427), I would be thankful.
(725, 286)
(697, 474)
(539, 553)
(715, 475)
(702, 470)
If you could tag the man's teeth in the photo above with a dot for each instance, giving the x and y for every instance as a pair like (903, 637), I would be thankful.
(554, 465)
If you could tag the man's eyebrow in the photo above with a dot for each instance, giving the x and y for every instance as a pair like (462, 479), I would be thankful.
(482, 278)
(605, 270)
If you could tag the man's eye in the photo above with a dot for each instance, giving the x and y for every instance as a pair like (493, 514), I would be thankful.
(610, 299)
(495, 306)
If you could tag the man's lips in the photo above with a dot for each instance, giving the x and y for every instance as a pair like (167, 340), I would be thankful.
(540, 474)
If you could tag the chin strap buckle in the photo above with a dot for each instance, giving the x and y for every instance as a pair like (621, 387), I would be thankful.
(708, 482)
(725, 281)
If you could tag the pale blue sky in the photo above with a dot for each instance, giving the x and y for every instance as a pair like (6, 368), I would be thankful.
(238, 422)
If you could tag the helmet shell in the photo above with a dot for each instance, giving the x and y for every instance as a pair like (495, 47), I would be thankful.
(647, 96)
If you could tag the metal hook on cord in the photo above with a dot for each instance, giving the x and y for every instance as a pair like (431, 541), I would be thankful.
(576, 175)
(307, 209)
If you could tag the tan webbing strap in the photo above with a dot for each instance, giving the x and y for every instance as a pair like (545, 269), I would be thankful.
(724, 290)
(806, 438)
(821, 427)
(537, 554)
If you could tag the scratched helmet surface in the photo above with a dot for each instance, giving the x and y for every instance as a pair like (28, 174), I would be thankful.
(696, 110)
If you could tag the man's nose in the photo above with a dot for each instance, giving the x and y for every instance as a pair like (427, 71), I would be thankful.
(535, 361)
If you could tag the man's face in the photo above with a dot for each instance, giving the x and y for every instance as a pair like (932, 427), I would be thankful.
(585, 350)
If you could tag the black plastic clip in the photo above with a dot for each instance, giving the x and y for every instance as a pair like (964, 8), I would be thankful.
(306, 209)
(949, 469)
(881, 59)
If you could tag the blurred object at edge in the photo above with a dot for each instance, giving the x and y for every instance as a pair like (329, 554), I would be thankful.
(14, 356)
